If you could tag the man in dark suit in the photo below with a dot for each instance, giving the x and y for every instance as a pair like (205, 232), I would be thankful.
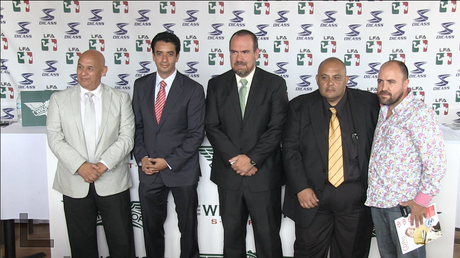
(245, 112)
(326, 186)
(169, 116)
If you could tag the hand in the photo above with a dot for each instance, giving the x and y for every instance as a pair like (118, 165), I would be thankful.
(147, 166)
(307, 198)
(159, 164)
(100, 167)
(417, 212)
(88, 172)
(251, 172)
(241, 164)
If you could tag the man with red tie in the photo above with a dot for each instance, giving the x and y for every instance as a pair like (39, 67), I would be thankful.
(169, 111)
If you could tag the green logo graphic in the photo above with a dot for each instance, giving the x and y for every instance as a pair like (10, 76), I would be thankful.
(457, 96)
(48, 44)
(374, 46)
(326, 45)
(165, 6)
(207, 153)
(215, 7)
(419, 45)
(72, 57)
(444, 6)
(400, 6)
(444, 58)
(120, 6)
(71, 5)
(25, 57)
(303, 7)
(136, 215)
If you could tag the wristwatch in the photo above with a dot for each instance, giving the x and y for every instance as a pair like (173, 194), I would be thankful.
(253, 163)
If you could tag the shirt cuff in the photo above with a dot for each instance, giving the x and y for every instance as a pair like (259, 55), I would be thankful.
(168, 165)
(105, 164)
(423, 199)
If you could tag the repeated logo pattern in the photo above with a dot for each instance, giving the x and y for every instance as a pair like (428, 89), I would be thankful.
(294, 37)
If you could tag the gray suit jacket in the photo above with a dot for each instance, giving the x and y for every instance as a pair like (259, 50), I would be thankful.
(67, 141)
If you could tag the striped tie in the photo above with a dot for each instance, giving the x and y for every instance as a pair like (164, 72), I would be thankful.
(160, 101)
(335, 164)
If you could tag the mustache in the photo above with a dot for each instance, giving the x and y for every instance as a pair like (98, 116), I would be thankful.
(240, 63)
(383, 92)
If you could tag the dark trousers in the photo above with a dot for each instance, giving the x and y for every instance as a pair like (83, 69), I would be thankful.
(81, 218)
(153, 198)
(265, 211)
(342, 223)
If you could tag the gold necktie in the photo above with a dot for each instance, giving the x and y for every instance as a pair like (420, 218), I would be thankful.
(335, 156)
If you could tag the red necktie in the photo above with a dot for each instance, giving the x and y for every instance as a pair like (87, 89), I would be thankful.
(160, 101)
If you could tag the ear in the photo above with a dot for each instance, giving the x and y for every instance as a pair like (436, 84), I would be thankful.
(406, 84)
(104, 71)
(177, 57)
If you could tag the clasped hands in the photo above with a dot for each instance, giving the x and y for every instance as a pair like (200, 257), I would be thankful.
(91, 172)
(152, 166)
(242, 165)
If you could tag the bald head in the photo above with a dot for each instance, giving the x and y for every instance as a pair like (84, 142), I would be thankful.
(332, 80)
(91, 67)
(334, 61)
(402, 67)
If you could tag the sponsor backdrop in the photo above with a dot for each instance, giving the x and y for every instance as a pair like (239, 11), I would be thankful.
(41, 43)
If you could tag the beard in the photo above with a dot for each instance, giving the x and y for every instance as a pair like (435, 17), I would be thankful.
(391, 100)
(243, 70)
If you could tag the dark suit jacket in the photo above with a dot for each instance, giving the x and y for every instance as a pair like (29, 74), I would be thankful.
(258, 135)
(305, 147)
(179, 134)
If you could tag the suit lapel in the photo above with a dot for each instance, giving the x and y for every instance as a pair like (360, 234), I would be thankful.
(149, 91)
(173, 95)
(76, 107)
(357, 114)
(254, 92)
(106, 96)
(232, 91)
(318, 122)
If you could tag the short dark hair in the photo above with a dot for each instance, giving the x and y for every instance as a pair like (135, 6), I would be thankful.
(402, 66)
(167, 37)
(244, 33)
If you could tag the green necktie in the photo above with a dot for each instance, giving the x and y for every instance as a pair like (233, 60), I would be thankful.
(242, 94)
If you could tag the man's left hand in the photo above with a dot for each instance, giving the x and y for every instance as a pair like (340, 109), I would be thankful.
(241, 164)
(159, 164)
(100, 167)
(417, 212)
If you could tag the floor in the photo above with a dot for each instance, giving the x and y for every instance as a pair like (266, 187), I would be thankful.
(41, 231)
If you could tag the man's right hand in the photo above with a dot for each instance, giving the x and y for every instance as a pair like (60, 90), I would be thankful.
(307, 198)
(147, 166)
(88, 172)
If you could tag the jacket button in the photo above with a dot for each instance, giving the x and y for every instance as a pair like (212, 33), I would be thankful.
(320, 191)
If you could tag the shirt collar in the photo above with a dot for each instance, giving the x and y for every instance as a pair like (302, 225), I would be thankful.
(97, 92)
(404, 104)
(249, 77)
(168, 80)
(340, 106)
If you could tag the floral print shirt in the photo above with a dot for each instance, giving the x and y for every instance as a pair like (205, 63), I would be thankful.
(408, 158)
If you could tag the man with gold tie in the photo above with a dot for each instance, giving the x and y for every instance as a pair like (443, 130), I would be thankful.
(326, 141)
